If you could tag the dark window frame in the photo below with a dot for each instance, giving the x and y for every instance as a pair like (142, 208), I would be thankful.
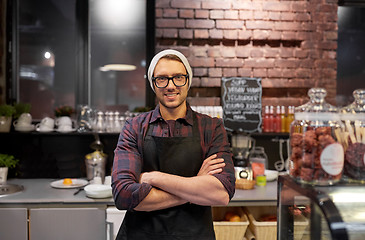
(82, 88)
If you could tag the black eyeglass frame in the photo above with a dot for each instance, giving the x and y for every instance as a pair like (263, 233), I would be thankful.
(172, 79)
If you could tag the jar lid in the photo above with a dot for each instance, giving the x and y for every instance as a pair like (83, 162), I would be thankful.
(317, 105)
(356, 107)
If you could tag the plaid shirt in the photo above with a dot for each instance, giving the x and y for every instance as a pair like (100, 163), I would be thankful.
(127, 190)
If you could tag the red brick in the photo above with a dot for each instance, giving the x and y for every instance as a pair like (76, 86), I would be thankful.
(244, 72)
(329, 54)
(229, 72)
(303, 35)
(259, 25)
(200, 72)
(291, 26)
(210, 82)
(186, 34)
(158, 32)
(327, 63)
(170, 23)
(158, 13)
(162, 3)
(330, 35)
(185, 4)
(256, 53)
(214, 52)
(229, 24)
(184, 13)
(286, 52)
(243, 52)
(301, 6)
(244, 34)
(170, 13)
(287, 73)
(328, 45)
(303, 73)
(230, 34)
(231, 14)
(302, 17)
(170, 33)
(306, 63)
(199, 52)
(201, 34)
(202, 14)
(215, 72)
(260, 34)
(287, 16)
(196, 82)
(259, 63)
(299, 53)
(274, 16)
(201, 62)
(274, 35)
(281, 63)
(245, 15)
(246, 5)
(331, 8)
(216, 5)
(276, 6)
(274, 73)
(216, 14)
(259, 72)
(260, 15)
(228, 52)
(215, 34)
(271, 53)
(199, 23)
(221, 62)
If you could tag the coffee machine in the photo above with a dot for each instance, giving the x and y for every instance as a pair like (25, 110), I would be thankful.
(241, 144)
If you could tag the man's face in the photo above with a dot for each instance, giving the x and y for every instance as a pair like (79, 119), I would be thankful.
(170, 96)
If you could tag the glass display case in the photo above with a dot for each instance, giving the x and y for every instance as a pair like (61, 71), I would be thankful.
(332, 212)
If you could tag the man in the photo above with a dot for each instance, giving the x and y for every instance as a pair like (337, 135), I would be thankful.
(171, 164)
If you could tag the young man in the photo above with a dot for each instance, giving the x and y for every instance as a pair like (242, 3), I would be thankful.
(171, 164)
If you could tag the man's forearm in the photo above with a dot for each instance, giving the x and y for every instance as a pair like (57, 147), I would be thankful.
(159, 199)
(201, 190)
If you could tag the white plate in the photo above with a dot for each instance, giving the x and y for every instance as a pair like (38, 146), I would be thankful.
(25, 128)
(99, 195)
(271, 175)
(75, 183)
(66, 131)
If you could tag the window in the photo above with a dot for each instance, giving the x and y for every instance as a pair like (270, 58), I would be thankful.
(74, 52)
(351, 51)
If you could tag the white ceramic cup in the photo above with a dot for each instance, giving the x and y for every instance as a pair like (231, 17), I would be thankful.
(47, 124)
(24, 120)
(65, 120)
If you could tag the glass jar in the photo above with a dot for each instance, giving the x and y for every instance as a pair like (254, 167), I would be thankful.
(317, 157)
(258, 161)
(352, 137)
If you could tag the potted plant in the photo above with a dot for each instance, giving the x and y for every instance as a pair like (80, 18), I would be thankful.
(6, 162)
(21, 108)
(6, 113)
(64, 111)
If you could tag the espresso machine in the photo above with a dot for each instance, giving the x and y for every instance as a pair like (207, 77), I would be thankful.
(241, 144)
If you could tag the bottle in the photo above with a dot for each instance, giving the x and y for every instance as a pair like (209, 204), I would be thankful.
(277, 120)
(283, 119)
(271, 119)
(290, 117)
(258, 161)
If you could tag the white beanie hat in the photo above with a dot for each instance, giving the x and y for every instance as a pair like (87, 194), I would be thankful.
(163, 53)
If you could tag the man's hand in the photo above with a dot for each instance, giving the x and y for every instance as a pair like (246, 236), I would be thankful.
(211, 165)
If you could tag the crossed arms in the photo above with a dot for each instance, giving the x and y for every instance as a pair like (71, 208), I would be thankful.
(171, 190)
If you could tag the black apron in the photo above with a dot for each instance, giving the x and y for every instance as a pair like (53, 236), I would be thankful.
(179, 156)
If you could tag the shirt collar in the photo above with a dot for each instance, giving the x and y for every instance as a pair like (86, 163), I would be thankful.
(156, 115)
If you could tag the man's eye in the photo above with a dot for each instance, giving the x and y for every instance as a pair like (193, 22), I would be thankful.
(161, 79)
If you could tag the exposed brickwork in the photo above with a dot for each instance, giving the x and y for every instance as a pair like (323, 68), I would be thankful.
(291, 45)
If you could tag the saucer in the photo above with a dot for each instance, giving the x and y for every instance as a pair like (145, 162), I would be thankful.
(44, 130)
(25, 128)
(66, 131)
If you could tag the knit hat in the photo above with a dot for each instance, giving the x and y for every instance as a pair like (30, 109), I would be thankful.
(159, 55)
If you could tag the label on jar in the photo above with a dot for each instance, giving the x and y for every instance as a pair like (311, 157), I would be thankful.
(332, 159)
(258, 168)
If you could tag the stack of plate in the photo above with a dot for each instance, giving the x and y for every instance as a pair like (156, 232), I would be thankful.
(98, 191)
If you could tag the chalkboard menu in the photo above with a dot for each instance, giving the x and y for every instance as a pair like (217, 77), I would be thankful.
(241, 100)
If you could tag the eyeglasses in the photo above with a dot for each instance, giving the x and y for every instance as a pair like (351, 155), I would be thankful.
(178, 80)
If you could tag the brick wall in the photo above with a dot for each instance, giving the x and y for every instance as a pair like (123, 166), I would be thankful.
(291, 45)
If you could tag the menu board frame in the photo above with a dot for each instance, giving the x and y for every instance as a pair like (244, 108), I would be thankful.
(241, 103)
